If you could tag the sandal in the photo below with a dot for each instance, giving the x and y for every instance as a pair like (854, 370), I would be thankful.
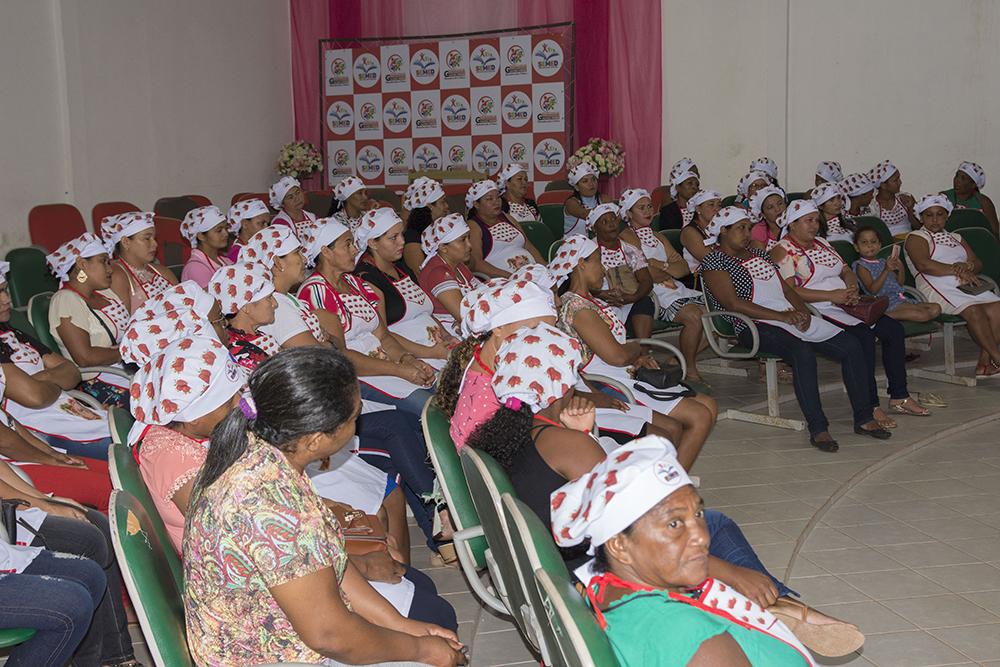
(445, 556)
(828, 639)
(908, 406)
(993, 368)
(884, 421)
(927, 399)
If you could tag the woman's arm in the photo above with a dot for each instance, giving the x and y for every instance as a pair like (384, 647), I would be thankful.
(786, 268)
(677, 267)
(28, 390)
(77, 342)
(364, 364)
(29, 450)
(60, 370)
(694, 243)
(478, 263)
(413, 255)
(720, 284)
(570, 453)
(575, 208)
(598, 337)
(919, 252)
(990, 211)
(407, 345)
(452, 301)
(721, 649)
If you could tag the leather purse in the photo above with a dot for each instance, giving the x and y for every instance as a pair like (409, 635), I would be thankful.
(623, 279)
(363, 533)
(868, 309)
(979, 288)
(659, 378)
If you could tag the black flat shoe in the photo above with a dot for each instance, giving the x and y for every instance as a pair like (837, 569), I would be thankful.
(877, 433)
(824, 445)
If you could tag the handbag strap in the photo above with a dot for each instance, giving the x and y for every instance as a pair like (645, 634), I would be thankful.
(687, 392)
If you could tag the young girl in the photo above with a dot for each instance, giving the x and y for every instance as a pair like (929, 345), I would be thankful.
(883, 277)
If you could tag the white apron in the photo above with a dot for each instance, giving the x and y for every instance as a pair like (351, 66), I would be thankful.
(825, 267)
(66, 418)
(652, 247)
(947, 248)
(418, 323)
(575, 225)
(117, 315)
(521, 212)
(895, 218)
(768, 292)
(507, 251)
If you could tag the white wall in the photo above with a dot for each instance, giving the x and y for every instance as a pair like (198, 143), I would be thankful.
(857, 81)
(138, 99)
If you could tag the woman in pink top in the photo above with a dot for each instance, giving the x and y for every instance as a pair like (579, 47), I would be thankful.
(246, 218)
(765, 206)
(208, 232)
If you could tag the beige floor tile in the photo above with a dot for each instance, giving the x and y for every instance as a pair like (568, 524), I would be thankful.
(500, 648)
(893, 585)
(940, 611)
(939, 488)
(989, 600)
(824, 537)
(851, 561)
(979, 642)
(916, 510)
(927, 554)
(909, 649)
(986, 548)
(871, 617)
(955, 528)
(826, 589)
(891, 532)
(879, 492)
(854, 515)
(964, 578)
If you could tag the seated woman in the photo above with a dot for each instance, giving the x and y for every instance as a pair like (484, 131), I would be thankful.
(829, 200)
(653, 589)
(885, 277)
(749, 185)
(859, 190)
(208, 232)
(583, 179)
(942, 263)
(346, 308)
(966, 192)
(627, 282)
(86, 317)
(246, 218)
(606, 351)
(682, 165)
(704, 205)
(288, 199)
(766, 165)
(404, 307)
(766, 206)
(136, 276)
(895, 208)
(745, 280)
(425, 201)
(350, 201)
(306, 602)
(674, 301)
(828, 171)
(499, 245)
(245, 292)
(675, 214)
(444, 274)
(513, 184)
(814, 270)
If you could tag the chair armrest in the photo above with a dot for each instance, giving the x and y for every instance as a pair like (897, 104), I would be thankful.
(110, 370)
(712, 335)
(913, 293)
(462, 549)
(663, 345)
(611, 382)
(87, 400)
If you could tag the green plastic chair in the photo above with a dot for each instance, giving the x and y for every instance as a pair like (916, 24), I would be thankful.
(557, 185)
(146, 570)
(120, 421)
(125, 476)
(872, 222)
(487, 483)
(38, 315)
(539, 235)
(655, 223)
(729, 200)
(552, 216)
(19, 320)
(986, 247)
(846, 250)
(965, 218)
(14, 636)
(792, 196)
(578, 640)
(29, 275)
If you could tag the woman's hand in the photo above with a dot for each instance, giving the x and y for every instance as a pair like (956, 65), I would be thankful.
(613, 297)
(67, 461)
(379, 566)
(796, 318)
(602, 400)
(840, 296)
(756, 586)
(579, 414)
(439, 651)
(646, 361)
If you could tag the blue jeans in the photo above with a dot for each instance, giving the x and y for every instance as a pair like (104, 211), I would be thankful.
(393, 442)
(889, 332)
(801, 356)
(98, 449)
(411, 405)
(56, 595)
(427, 605)
(730, 545)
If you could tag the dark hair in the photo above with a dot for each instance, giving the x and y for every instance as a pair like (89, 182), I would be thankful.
(420, 219)
(861, 230)
(504, 435)
(297, 392)
(601, 563)
(450, 379)
(335, 205)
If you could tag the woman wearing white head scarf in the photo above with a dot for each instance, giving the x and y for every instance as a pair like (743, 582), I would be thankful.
(208, 231)
(135, 274)
(246, 218)
(289, 200)
(684, 185)
(829, 199)
(704, 206)
(350, 201)
(513, 184)
(967, 192)
(942, 264)
(895, 208)
(583, 179)
(499, 245)
(424, 202)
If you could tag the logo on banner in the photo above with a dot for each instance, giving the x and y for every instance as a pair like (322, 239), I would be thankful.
(547, 57)
(549, 156)
(370, 162)
(549, 105)
(485, 61)
(341, 163)
(397, 160)
(369, 119)
(456, 112)
(456, 158)
(485, 107)
(394, 65)
(486, 157)
(427, 116)
(517, 153)
(340, 118)
(424, 66)
(515, 60)
(396, 114)
(427, 156)
(366, 70)
(338, 72)
(453, 61)
(516, 109)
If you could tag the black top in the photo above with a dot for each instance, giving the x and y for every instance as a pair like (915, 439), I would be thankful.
(395, 305)
(670, 216)
(419, 220)
(742, 280)
(6, 351)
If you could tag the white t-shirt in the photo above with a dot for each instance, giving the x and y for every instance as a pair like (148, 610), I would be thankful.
(288, 321)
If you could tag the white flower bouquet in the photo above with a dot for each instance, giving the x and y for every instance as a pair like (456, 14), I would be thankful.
(606, 156)
(298, 159)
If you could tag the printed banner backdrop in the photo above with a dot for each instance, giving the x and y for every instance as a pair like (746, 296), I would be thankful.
(454, 102)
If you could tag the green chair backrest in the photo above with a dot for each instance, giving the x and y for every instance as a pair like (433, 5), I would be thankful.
(120, 420)
(846, 250)
(558, 185)
(29, 275)
(792, 196)
(552, 216)
(125, 476)
(674, 236)
(487, 483)
(963, 218)
(540, 236)
(729, 200)
(14, 636)
(721, 325)
(19, 320)
(655, 222)
(448, 468)
(38, 314)
(872, 222)
(986, 247)
(154, 592)
(576, 638)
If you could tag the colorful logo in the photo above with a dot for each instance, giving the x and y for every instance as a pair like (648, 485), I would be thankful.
(485, 60)
(339, 118)
(338, 74)
(486, 157)
(427, 115)
(366, 70)
(455, 70)
(368, 111)
(339, 66)
(515, 61)
(424, 66)
(396, 114)
(517, 152)
(485, 104)
(548, 102)
(370, 161)
(398, 158)
(427, 157)
(454, 59)
(368, 120)
(547, 57)
(485, 108)
(394, 63)
(341, 158)
(549, 156)
(425, 108)
(549, 110)
(394, 70)
(456, 154)
(516, 109)
(456, 112)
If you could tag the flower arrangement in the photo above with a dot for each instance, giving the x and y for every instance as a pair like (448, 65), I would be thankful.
(298, 159)
(606, 156)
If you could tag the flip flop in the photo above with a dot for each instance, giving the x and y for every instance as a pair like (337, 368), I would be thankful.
(831, 640)
(908, 406)
(927, 399)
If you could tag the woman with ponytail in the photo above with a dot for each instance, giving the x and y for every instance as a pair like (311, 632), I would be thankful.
(252, 597)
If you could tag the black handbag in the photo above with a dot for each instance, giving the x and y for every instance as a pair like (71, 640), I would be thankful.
(660, 378)
(8, 516)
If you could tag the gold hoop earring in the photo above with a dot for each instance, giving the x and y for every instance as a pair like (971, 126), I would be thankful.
(81, 276)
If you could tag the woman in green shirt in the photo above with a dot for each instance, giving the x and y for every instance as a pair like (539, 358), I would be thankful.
(969, 180)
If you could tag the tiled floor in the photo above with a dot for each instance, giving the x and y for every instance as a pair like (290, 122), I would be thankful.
(900, 537)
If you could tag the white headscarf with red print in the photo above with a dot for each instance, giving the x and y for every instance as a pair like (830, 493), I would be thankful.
(318, 235)
(855, 185)
(200, 220)
(269, 243)
(743, 187)
(536, 367)
(574, 249)
(629, 199)
(62, 260)
(278, 191)
(422, 192)
(577, 173)
(477, 191)
(535, 273)
(927, 201)
(700, 198)
(757, 201)
(244, 210)
(236, 285)
(796, 210)
(179, 311)
(882, 172)
(373, 225)
(508, 173)
(502, 301)
(595, 213)
(767, 166)
(443, 230)
(347, 187)
(116, 227)
(830, 171)
(680, 177)
(726, 217)
(975, 172)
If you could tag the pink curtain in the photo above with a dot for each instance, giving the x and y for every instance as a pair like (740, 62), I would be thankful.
(615, 99)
